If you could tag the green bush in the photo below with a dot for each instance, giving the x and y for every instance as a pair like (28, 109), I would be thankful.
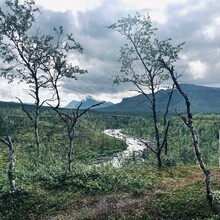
(102, 179)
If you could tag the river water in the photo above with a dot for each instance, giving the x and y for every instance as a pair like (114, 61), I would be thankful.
(135, 147)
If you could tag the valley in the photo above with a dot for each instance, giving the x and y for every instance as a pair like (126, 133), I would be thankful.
(128, 188)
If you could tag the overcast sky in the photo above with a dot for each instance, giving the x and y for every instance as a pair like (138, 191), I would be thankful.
(195, 22)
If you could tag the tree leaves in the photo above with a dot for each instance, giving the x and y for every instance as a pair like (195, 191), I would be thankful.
(140, 55)
(38, 59)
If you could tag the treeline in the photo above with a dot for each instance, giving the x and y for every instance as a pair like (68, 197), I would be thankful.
(180, 150)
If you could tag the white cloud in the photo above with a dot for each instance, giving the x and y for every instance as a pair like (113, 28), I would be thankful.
(209, 32)
(198, 69)
(65, 5)
(156, 4)
(212, 30)
(9, 92)
(156, 7)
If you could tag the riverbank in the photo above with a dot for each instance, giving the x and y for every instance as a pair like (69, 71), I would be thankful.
(135, 147)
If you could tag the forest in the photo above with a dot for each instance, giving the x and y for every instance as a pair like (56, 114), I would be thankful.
(55, 163)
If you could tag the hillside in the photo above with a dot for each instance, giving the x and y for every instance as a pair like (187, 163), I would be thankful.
(88, 102)
(203, 100)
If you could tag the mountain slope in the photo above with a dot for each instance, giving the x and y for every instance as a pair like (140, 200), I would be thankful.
(203, 100)
(88, 102)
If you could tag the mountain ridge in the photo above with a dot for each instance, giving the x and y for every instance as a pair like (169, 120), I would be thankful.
(203, 100)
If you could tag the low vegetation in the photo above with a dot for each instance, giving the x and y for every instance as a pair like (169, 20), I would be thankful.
(133, 192)
(47, 190)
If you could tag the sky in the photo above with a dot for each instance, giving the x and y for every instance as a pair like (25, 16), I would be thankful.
(195, 22)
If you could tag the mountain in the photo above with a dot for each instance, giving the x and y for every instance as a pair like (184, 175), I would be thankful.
(203, 100)
(88, 102)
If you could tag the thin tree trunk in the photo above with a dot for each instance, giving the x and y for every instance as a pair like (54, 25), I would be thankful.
(166, 148)
(11, 165)
(70, 154)
(37, 139)
(36, 129)
(165, 144)
(70, 121)
(188, 120)
(12, 161)
(159, 161)
(35, 122)
(157, 135)
(201, 163)
(165, 120)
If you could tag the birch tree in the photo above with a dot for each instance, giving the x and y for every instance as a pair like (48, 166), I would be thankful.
(141, 68)
(70, 119)
(35, 59)
(188, 121)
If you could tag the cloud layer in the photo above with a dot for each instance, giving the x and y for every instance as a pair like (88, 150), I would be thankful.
(195, 22)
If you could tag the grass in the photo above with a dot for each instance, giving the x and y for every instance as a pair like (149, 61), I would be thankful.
(133, 192)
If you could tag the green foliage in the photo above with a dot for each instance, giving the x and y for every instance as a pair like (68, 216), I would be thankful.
(45, 193)
(98, 179)
(180, 149)
(216, 197)
(169, 160)
(48, 185)
(178, 202)
(21, 205)
(34, 56)
(140, 56)
(89, 146)
(141, 66)
(173, 205)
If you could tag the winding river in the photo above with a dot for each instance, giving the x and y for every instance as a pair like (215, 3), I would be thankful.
(135, 147)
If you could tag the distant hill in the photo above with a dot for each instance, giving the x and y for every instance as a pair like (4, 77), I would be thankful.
(203, 100)
(9, 104)
(4, 104)
(88, 102)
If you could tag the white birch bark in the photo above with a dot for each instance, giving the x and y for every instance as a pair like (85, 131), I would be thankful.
(12, 160)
